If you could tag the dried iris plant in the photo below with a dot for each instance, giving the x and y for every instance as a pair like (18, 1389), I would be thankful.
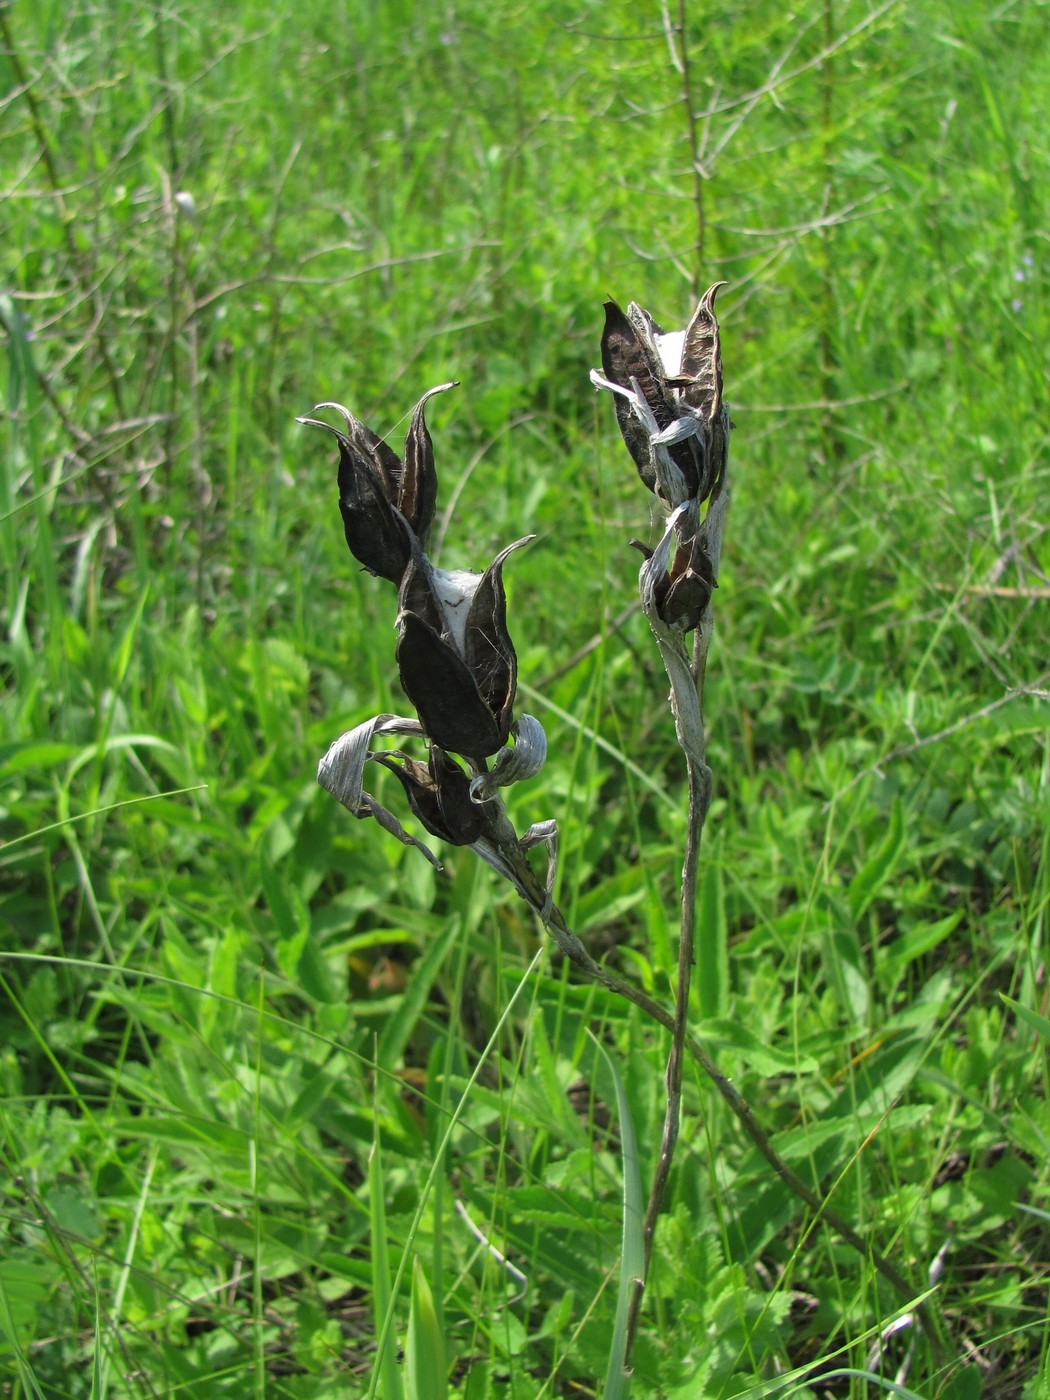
(675, 424)
(458, 667)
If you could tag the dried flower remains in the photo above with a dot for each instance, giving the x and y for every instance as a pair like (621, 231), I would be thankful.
(675, 424)
(455, 657)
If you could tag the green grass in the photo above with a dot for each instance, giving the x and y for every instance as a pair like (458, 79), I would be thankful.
(220, 995)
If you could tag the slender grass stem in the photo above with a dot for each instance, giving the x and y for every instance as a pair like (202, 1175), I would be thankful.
(694, 152)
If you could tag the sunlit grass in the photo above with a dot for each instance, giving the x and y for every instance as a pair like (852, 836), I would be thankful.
(219, 992)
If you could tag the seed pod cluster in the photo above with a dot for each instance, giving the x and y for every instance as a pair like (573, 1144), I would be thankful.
(675, 424)
(455, 658)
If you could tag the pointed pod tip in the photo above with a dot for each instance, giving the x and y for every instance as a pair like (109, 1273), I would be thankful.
(518, 544)
(320, 423)
(708, 298)
(438, 389)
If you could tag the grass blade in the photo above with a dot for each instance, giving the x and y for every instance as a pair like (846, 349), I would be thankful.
(390, 1387)
(632, 1253)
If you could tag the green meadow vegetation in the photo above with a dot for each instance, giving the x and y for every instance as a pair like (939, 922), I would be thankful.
(273, 1090)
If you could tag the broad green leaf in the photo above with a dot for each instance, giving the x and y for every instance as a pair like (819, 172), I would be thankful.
(425, 1353)
(399, 1028)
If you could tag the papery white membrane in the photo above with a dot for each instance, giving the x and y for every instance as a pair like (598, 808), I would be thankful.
(454, 590)
(670, 348)
(677, 431)
(341, 771)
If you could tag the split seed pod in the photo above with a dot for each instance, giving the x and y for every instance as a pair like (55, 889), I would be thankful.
(438, 792)
(379, 494)
(679, 375)
(457, 662)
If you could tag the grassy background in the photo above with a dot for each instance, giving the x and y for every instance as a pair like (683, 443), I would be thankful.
(218, 993)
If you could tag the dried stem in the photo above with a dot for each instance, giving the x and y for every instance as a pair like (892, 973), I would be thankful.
(699, 776)
(510, 858)
(678, 48)
(687, 702)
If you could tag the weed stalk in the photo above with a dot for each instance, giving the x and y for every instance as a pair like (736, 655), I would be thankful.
(458, 668)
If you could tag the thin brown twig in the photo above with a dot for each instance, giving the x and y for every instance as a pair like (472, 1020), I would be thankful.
(694, 149)
(595, 642)
(995, 590)
(902, 750)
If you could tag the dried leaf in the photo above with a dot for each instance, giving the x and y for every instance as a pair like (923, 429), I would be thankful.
(514, 762)
(341, 772)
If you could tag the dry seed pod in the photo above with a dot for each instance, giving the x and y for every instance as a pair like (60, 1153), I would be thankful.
(679, 376)
(455, 655)
(438, 792)
(379, 494)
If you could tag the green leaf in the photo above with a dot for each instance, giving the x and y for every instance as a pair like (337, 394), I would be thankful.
(1031, 1019)
(397, 1030)
(425, 1352)
(389, 1387)
(9, 1330)
(711, 980)
(758, 1057)
(919, 939)
(875, 872)
(846, 974)
(632, 1250)
(298, 956)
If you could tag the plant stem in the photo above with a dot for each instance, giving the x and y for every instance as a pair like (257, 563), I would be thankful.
(833, 446)
(699, 777)
(518, 870)
(694, 150)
